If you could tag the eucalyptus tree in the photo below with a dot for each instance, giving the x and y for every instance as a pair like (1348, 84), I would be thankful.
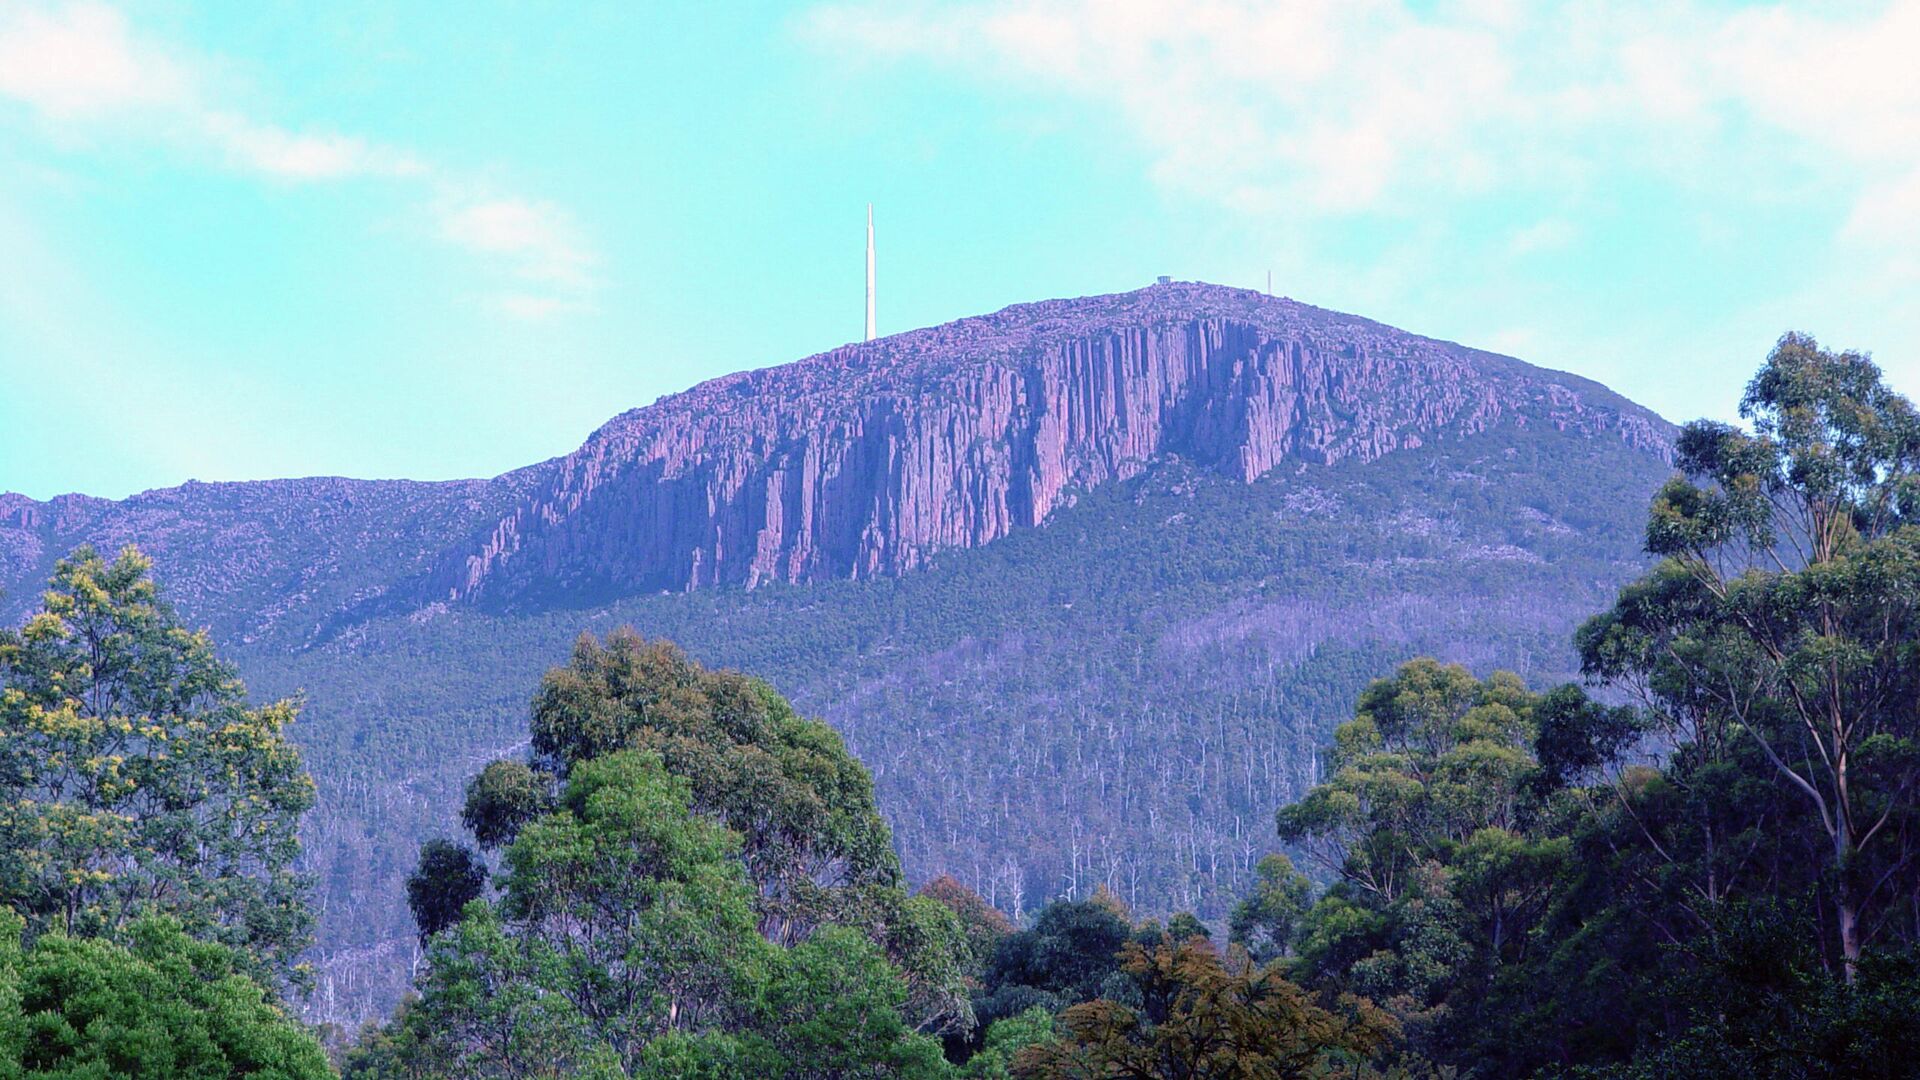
(811, 838)
(1785, 615)
(161, 1005)
(625, 943)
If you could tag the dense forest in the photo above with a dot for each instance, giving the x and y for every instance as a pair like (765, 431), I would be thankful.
(1118, 698)
(1111, 657)
(1700, 859)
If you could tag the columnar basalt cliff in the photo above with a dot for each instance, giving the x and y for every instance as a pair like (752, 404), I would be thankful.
(1084, 582)
(871, 458)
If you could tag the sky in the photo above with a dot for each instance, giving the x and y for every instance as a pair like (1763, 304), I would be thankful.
(258, 238)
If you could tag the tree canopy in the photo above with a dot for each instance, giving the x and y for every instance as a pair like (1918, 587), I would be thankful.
(1200, 1014)
(625, 941)
(810, 837)
(164, 1006)
(135, 778)
(1785, 615)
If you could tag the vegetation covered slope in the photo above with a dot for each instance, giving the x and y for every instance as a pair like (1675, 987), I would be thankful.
(1117, 698)
(1251, 506)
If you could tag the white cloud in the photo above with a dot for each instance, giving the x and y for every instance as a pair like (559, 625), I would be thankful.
(82, 62)
(1253, 104)
(540, 241)
(538, 235)
(273, 151)
(1888, 212)
(82, 69)
(86, 75)
(1551, 234)
(1350, 106)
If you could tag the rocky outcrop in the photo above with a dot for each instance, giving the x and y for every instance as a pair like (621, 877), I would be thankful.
(1143, 678)
(264, 559)
(871, 458)
(866, 460)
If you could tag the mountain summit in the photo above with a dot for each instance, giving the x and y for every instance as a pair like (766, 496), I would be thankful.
(1085, 582)
(869, 459)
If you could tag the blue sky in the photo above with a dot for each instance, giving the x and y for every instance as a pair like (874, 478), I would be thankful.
(244, 240)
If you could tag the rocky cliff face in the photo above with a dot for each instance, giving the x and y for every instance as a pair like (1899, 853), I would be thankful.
(1121, 697)
(864, 461)
(262, 561)
(869, 459)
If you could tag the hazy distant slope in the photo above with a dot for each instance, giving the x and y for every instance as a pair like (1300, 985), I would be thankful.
(1157, 541)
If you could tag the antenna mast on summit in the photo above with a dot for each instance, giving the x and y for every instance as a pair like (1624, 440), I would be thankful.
(870, 332)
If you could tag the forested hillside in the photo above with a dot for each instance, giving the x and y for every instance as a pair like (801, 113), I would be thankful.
(675, 873)
(1114, 693)
(1118, 698)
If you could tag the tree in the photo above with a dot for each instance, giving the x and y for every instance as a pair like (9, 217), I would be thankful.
(1264, 922)
(447, 877)
(393, 1050)
(1202, 1015)
(1071, 954)
(801, 804)
(645, 901)
(494, 1004)
(982, 924)
(1185, 924)
(162, 1007)
(135, 778)
(1004, 1041)
(835, 1012)
(502, 798)
(625, 942)
(810, 835)
(1786, 611)
(1446, 841)
(1760, 1004)
(1431, 756)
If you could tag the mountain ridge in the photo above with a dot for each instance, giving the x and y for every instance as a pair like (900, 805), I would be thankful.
(1120, 695)
(1246, 381)
(869, 458)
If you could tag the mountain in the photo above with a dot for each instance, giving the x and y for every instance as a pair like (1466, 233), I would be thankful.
(870, 459)
(1085, 582)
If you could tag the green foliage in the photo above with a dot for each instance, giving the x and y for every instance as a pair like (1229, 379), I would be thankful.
(645, 902)
(835, 1011)
(1757, 1002)
(1200, 1014)
(1004, 1041)
(1264, 923)
(801, 807)
(501, 799)
(1783, 621)
(1184, 925)
(389, 1049)
(135, 779)
(1578, 736)
(162, 1007)
(446, 879)
(981, 924)
(626, 943)
(1445, 842)
(1070, 954)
